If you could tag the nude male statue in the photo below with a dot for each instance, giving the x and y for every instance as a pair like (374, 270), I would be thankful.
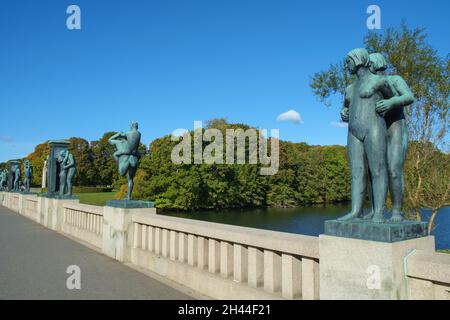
(16, 184)
(3, 179)
(367, 143)
(397, 131)
(28, 171)
(127, 154)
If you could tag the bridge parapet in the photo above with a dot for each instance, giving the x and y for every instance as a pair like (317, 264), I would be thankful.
(84, 222)
(225, 261)
(232, 262)
(428, 276)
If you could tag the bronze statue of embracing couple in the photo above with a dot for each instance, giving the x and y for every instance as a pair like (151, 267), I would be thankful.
(377, 135)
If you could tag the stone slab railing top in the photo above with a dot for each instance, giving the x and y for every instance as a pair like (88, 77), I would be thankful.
(296, 244)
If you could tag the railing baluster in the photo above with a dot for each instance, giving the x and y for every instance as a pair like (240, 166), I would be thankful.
(240, 263)
(144, 237)
(272, 271)
(226, 259)
(214, 256)
(192, 250)
(173, 245)
(202, 253)
(158, 241)
(137, 235)
(182, 247)
(165, 243)
(255, 267)
(151, 239)
(291, 274)
(310, 279)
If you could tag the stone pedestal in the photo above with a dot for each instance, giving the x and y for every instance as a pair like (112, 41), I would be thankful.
(130, 204)
(118, 231)
(51, 211)
(384, 232)
(363, 269)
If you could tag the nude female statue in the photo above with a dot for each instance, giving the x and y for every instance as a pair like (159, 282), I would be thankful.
(367, 135)
(127, 154)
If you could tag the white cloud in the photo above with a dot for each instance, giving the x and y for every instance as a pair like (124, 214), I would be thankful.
(292, 116)
(178, 133)
(339, 124)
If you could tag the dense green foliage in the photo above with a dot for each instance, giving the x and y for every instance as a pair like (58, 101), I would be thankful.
(307, 174)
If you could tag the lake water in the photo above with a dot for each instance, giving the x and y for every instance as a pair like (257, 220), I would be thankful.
(305, 220)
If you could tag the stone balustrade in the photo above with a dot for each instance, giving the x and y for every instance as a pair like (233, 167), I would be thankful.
(228, 262)
(84, 222)
(231, 262)
(31, 208)
(428, 276)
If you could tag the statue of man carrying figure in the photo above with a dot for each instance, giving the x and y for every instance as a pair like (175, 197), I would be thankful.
(127, 154)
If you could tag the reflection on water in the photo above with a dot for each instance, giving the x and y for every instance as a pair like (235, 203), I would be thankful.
(304, 220)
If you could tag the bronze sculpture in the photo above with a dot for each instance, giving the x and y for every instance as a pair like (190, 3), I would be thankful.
(28, 172)
(127, 155)
(67, 172)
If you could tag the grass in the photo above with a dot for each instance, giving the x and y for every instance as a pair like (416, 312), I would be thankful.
(445, 251)
(97, 199)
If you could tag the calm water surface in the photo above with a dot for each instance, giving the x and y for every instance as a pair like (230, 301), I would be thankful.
(304, 220)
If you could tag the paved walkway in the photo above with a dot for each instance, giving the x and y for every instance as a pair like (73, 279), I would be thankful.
(34, 260)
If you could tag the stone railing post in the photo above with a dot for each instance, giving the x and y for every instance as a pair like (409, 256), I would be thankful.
(356, 269)
(118, 228)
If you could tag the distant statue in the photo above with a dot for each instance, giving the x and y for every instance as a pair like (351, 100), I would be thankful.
(17, 180)
(3, 179)
(370, 108)
(28, 172)
(67, 172)
(44, 174)
(127, 155)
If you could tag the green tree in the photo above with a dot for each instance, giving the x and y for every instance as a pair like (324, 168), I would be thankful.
(81, 150)
(37, 159)
(103, 161)
(301, 178)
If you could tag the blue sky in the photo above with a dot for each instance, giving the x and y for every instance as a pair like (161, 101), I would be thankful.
(169, 63)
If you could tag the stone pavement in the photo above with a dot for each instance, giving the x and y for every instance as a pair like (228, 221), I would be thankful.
(34, 261)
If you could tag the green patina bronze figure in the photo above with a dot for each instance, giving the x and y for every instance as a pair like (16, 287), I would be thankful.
(377, 143)
(17, 180)
(67, 172)
(398, 96)
(127, 155)
(367, 135)
(28, 172)
(4, 180)
(397, 132)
